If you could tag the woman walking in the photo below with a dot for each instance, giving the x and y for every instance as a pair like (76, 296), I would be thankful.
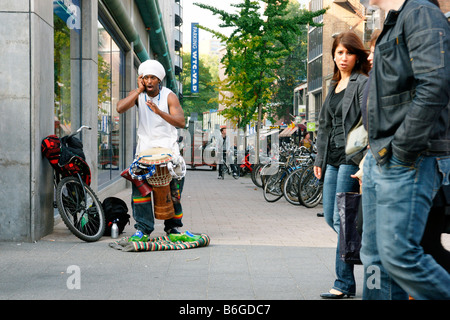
(340, 112)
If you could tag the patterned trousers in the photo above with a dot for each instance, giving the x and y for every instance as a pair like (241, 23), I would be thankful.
(143, 210)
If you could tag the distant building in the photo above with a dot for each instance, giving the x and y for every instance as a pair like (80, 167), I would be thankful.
(300, 100)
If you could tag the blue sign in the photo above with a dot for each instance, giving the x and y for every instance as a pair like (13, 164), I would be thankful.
(194, 57)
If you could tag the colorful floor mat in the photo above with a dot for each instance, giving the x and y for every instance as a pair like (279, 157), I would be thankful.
(158, 244)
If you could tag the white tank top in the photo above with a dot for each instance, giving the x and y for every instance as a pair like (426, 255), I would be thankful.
(154, 131)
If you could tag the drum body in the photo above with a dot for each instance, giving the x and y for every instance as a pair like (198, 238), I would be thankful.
(160, 180)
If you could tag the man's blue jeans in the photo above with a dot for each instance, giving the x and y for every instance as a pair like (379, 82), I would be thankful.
(338, 179)
(397, 198)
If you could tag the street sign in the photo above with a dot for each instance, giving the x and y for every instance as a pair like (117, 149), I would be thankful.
(194, 58)
(311, 126)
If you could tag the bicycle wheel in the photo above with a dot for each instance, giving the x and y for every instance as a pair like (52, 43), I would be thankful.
(290, 187)
(80, 209)
(268, 170)
(272, 187)
(256, 175)
(310, 189)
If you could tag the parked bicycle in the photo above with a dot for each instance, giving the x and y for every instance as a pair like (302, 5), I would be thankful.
(258, 168)
(246, 166)
(309, 188)
(256, 174)
(269, 164)
(290, 177)
(291, 184)
(274, 182)
(78, 205)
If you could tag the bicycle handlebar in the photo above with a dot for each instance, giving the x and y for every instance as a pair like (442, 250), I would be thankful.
(79, 130)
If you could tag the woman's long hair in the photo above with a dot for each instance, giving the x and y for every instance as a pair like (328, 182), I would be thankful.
(353, 44)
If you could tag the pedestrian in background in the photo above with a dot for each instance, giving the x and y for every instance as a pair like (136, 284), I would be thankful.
(409, 155)
(228, 152)
(340, 112)
(306, 141)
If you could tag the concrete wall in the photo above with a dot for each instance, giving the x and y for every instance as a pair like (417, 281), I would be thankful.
(26, 104)
(89, 84)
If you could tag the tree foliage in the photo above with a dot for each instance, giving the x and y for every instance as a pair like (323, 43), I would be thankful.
(291, 73)
(206, 99)
(254, 53)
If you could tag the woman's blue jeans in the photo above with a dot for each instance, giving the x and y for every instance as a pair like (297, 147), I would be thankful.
(397, 198)
(338, 179)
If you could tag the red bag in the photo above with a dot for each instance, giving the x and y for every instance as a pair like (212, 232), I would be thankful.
(51, 149)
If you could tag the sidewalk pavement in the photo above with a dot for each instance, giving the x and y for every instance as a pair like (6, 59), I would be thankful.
(258, 251)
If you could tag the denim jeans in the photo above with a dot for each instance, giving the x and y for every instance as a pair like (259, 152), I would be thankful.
(397, 198)
(143, 210)
(338, 179)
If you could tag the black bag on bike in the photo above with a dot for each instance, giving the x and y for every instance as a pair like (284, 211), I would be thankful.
(70, 147)
(66, 156)
(115, 209)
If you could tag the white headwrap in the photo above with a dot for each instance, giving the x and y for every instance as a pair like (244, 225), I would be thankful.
(152, 67)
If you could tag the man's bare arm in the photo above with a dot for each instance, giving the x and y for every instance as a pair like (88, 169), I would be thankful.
(131, 100)
(176, 114)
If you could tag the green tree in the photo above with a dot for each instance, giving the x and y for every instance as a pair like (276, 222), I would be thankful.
(291, 73)
(254, 53)
(104, 82)
(206, 99)
(62, 69)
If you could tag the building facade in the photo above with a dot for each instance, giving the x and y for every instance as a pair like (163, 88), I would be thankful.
(342, 15)
(66, 63)
(300, 94)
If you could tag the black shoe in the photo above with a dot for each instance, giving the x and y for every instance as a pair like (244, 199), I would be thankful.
(329, 295)
(172, 231)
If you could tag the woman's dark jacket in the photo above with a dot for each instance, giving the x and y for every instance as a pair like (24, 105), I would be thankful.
(351, 114)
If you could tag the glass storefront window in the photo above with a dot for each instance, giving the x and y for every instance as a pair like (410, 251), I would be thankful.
(110, 79)
(66, 63)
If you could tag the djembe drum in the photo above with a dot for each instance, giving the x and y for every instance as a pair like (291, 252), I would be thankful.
(156, 160)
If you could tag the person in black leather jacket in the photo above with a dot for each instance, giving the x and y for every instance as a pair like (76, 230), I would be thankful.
(409, 156)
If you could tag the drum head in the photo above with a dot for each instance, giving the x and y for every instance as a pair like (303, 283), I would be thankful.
(155, 156)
